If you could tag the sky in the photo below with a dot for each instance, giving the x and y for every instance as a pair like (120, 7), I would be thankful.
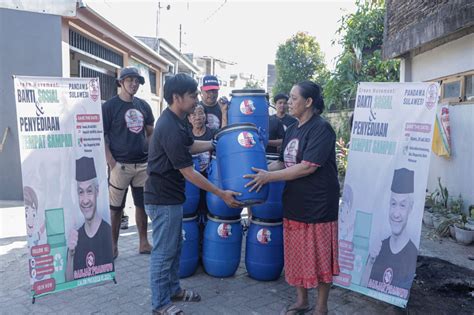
(245, 32)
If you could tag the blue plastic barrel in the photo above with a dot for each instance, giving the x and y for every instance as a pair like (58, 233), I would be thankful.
(192, 193)
(264, 250)
(239, 147)
(215, 204)
(273, 207)
(222, 246)
(249, 106)
(190, 251)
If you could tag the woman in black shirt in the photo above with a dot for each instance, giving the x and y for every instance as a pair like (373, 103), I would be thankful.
(310, 200)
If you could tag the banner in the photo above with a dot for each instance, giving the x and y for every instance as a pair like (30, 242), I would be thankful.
(64, 182)
(383, 198)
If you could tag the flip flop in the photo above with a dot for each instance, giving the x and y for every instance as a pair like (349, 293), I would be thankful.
(296, 310)
(187, 296)
(169, 309)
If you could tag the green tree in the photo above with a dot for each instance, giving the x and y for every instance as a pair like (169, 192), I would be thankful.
(360, 61)
(299, 58)
(252, 85)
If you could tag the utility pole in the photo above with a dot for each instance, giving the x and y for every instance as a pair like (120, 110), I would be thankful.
(158, 12)
(180, 42)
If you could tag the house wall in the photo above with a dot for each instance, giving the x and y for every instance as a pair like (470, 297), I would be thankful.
(454, 57)
(457, 173)
(451, 58)
(33, 49)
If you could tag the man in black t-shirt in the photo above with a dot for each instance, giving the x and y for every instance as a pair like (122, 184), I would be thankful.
(216, 110)
(276, 133)
(169, 163)
(89, 247)
(281, 106)
(128, 124)
(391, 265)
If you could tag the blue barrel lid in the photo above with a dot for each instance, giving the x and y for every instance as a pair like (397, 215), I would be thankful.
(267, 222)
(235, 127)
(189, 217)
(221, 219)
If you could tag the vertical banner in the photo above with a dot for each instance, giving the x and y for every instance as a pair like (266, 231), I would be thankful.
(383, 198)
(64, 182)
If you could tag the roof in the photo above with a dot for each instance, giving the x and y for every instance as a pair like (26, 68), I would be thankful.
(93, 23)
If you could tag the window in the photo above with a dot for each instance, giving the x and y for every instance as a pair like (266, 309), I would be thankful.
(470, 87)
(153, 82)
(458, 88)
(452, 89)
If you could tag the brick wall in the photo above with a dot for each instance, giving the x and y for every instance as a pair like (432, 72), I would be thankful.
(410, 24)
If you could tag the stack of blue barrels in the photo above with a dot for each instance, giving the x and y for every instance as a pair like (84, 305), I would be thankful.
(240, 145)
(190, 232)
(264, 247)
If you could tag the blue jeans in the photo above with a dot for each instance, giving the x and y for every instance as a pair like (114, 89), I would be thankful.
(167, 225)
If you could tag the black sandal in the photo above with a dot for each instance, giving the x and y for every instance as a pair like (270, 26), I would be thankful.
(169, 309)
(296, 310)
(186, 296)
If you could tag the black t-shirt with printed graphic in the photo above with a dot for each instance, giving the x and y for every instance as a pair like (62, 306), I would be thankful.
(205, 157)
(93, 251)
(275, 131)
(168, 153)
(287, 120)
(313, 198)
(394, 269)
(213, 116)
(124, 128)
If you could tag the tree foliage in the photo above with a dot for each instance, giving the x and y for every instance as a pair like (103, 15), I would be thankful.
(361, 59)
(299, 58)
(252, 85)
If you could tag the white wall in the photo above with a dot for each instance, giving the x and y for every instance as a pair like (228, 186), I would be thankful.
(457, 173)
(451, 58)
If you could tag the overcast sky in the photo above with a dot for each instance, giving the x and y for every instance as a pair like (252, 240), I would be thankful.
(246, 32)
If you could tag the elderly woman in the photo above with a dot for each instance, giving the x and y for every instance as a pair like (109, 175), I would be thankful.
(310, 200)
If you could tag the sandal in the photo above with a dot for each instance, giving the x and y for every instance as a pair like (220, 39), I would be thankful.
(169, 309)
(296, 310)
(187, 296)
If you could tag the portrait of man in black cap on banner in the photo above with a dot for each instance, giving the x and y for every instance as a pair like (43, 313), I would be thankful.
(393, 267)
(91, 245)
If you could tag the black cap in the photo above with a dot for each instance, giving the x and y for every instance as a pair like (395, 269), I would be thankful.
(85, 169)
(130, 72)
(403, 181)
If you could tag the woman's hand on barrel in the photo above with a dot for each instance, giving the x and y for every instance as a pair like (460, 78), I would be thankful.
(258, 180)
(229, 199)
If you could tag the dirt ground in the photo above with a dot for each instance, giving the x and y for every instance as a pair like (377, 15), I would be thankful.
(441, 288)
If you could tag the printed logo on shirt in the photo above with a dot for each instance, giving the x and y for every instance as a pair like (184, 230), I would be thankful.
(246, 139)
(264, 236)
(224, 230)
(291, 150)
(213, 121)
(204, 159)
(94, 89)
(247, 107)
(90, 259)
(388, 275)
(134, 120)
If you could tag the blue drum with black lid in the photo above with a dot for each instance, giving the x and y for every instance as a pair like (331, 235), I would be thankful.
(216, 205)
(239, 148)
(250, 106)
(264, 249)
(189, 258)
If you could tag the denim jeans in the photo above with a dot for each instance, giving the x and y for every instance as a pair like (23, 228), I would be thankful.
(166, 221)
